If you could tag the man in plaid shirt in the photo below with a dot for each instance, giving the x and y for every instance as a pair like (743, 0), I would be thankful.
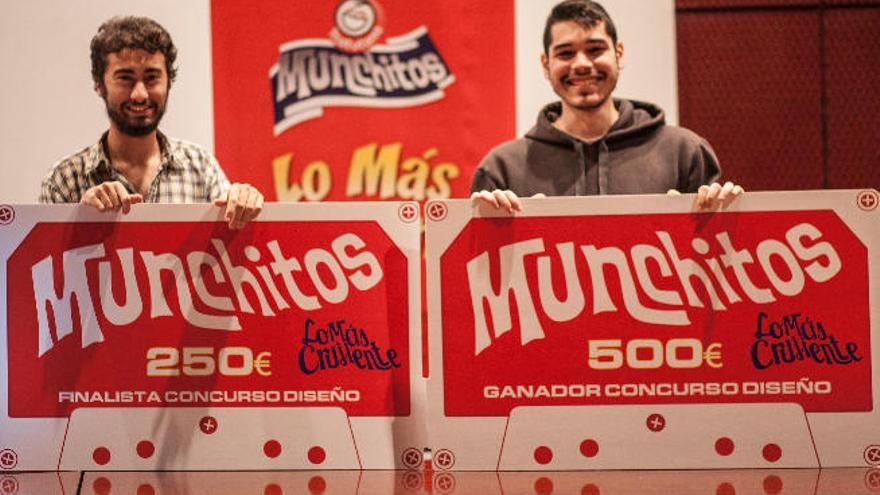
(133, 162)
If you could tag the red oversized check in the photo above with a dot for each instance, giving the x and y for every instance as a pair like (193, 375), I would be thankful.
(655, 308)
(167, 308)
(638, 301)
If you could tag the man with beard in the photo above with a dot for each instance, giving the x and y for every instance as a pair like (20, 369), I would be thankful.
(133, 162)
(590, 143)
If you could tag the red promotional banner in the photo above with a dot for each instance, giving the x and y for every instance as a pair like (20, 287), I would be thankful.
(361, 100)
(193, 314)
(294, 341)
(671, 309)
(592, 333)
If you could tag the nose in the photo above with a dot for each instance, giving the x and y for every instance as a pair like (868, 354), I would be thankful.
(582, 62)
(139, 92)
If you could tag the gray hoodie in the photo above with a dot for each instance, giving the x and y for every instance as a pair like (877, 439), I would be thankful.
(640, 154)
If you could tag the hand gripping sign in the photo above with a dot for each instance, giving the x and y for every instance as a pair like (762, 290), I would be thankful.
(164, 340)
(628, 332)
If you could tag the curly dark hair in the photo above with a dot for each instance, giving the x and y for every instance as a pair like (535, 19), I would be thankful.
(132, 32)
(584, 12)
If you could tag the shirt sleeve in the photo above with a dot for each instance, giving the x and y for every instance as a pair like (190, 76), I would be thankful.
(54, 189)
(704, 167)
(217, 183)
(484, 179)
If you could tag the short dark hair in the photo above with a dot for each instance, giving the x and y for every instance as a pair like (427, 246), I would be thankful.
(584, 12)
(131, 32)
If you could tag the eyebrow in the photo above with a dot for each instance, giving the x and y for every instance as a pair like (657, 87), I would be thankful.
(561, 46)
(149, 70)
(589, 42)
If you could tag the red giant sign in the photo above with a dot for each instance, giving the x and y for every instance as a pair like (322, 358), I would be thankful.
(176, 314)
(361, 100)
(162, 339)
(734, 309)
(591, 333)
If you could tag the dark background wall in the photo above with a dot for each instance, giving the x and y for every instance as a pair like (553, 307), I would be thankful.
(787, 92)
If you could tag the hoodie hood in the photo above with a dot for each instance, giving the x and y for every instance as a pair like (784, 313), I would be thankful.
(637, 119)
(639, 154)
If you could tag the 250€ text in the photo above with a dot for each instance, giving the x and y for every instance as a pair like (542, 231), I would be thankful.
(206, 361)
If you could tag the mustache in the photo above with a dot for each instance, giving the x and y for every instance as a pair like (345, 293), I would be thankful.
(150, 103)
(598, 76)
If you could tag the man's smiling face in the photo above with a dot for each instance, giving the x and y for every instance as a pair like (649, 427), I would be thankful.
(135, 90)
(582, 64)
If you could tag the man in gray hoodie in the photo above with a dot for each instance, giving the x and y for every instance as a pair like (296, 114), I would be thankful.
(590, 143)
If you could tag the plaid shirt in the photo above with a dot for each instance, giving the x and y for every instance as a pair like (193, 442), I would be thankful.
(188, 174)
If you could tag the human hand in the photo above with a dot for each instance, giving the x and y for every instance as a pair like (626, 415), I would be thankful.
(110, 196)
(499, 199)
(243, 203)
(714, 196)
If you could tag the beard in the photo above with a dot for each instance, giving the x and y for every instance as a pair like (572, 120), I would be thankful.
(138, 126)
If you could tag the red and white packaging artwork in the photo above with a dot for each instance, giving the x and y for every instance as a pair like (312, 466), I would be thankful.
(162, 339)
(629, 332)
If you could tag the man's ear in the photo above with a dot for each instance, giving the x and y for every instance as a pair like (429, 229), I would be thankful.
(100, 90)
(545, 64)
(619, 50)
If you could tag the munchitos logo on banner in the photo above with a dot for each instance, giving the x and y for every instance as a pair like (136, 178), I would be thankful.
(349, 69)
(349, 261)
(720, 276)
